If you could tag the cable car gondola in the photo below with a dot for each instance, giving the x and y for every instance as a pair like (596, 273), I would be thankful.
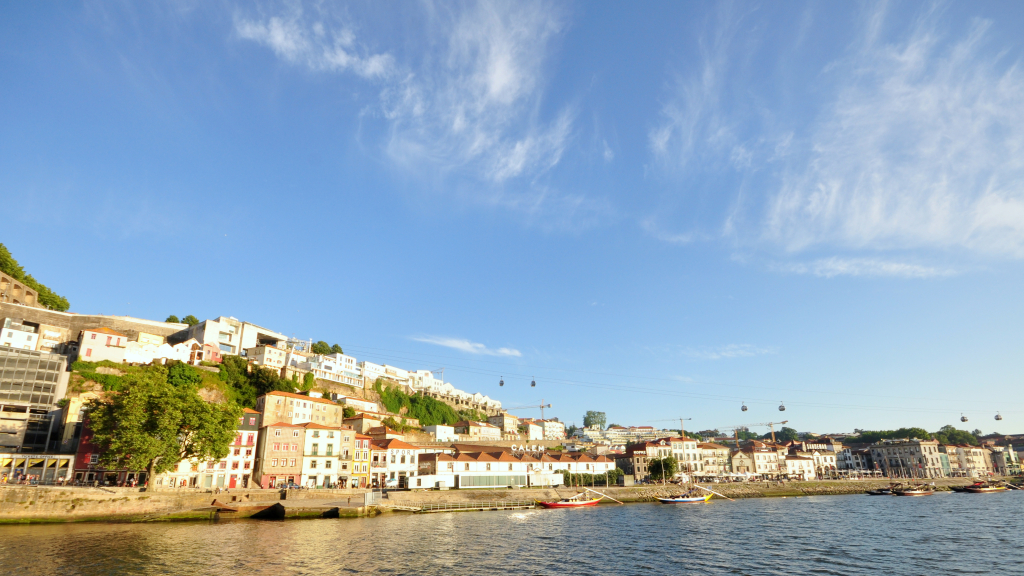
(962, 417)
(533, 384)
(782, 407)
(502, 381)
(999, 416)
(744, 407)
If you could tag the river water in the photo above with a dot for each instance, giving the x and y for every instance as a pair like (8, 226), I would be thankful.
(941, 534)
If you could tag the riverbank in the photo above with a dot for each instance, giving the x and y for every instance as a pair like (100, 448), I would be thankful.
(46, 504)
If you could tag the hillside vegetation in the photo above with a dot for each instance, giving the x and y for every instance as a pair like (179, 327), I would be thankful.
(10, 266)
(429, 411)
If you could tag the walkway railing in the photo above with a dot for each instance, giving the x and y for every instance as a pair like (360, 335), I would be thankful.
(487, 505)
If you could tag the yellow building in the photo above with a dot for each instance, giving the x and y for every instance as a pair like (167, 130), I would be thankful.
(361, 462)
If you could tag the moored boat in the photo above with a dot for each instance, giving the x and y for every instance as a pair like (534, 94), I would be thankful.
(685, 499)
(879, 492)
(578, 501)
(985, 489)
(914, 491)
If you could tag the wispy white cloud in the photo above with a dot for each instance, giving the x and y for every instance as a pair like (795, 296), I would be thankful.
(464, 112)
(727, 351)
(467, 346)
(301, 38)
(922, 148)
(474, 106)
(836, 266)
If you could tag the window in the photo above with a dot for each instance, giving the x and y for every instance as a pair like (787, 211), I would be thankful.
(94, 459)
(293, 462)
(295, 432)
(467, 465)
(93, 336)
(277, 447)
(327, 464)
(330, 434)
(248, 452)
(330, 449)
(346, 438)
(238, 451)
(241, 421)
(249, 439)
(247, 464)
(316, 433)
(277, 432)
(252, 421)
(316, 449)
(392, 458)
(403, 461)
(234, 465)
(88, 351)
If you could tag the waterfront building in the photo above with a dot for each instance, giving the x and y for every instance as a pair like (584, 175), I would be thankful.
(279, 454)
(88, 468)
(909, 458)
(497, 469)
(360, 461)
(473, 430)
(323, 449)
(378, 464)
(578, 462)
(714, 459)
(298, 409)
(1005, 461)
(973, 460)
(401, 461)
(766, 460)
(687, 453)
(31, 385)
(43, 467)
(800, 468)
(741, 462)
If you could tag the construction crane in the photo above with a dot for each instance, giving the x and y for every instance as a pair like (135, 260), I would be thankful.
(441, 370)
(680, 420)
(542, 406)
(739, 427)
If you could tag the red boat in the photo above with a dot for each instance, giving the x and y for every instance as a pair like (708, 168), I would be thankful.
(577, 501)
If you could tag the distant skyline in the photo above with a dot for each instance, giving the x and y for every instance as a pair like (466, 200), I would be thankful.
(656, 212)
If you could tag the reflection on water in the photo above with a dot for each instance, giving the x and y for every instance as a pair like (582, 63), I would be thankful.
(941, 534)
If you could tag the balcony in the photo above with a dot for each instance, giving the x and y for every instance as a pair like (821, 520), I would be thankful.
(378, 465)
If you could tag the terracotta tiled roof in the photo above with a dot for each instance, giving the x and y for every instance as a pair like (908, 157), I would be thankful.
(249, 411)
(396, 444)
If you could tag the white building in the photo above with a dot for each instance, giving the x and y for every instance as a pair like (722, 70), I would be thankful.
(18, 335)
(442, 433)
(233, 336)
(400, 460)
(508, 423)
(101, 344)
(267, 356)
(321, 456)
(800, 467)
(531, 430)
(552, 429)
(340, 368)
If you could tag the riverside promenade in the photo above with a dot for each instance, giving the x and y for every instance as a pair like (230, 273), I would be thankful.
(48, 504)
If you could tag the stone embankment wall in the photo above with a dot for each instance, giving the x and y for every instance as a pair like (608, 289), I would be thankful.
(54, 504)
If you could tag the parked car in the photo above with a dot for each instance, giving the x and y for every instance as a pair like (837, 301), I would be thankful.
(392, 483)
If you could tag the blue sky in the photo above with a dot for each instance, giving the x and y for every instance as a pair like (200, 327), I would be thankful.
(655, 212)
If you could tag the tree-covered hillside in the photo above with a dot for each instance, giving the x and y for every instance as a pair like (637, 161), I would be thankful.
(47, 297)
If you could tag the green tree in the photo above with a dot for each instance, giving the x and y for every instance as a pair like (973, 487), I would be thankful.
(950, 435)
(308, 381)
(190, 320)
(321, 347)
(336, 349)
(663, 468)
(173, 319)
(180, 374)
(47, 297)
(348, 412)
(594, 418)
(784, 435)
(153, 425)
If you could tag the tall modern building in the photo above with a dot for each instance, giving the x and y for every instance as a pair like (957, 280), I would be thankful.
(31, 384)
